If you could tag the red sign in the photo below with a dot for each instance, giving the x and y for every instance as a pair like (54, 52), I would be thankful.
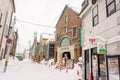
(92, 40)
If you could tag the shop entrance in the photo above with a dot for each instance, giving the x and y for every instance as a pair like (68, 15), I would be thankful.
(94, 66)
(66, 60)
(66, 55)
(113, 67)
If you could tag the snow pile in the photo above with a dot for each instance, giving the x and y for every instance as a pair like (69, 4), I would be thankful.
(2, 62)
(26, 59)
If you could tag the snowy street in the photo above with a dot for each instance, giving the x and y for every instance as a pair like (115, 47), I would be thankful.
(26, 70)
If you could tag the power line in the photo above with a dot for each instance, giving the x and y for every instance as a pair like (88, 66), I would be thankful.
(27, 22)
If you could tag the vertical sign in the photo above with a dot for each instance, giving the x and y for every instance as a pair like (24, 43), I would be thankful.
(81, 37)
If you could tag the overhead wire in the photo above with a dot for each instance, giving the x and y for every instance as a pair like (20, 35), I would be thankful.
(27, 22)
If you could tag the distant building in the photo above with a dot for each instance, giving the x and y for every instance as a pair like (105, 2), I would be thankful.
(33, 50)
(67, 42)
(14, 44)
(50, 45)
(42, 48)
(26, 54)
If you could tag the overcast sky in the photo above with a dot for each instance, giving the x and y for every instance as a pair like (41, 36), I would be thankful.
(44, 13)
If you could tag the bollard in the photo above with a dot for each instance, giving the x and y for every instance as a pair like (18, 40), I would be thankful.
(49, 65)
(60, 68)
(66, 70)
(78, 72)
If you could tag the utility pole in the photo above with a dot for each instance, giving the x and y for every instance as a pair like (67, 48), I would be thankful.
(8, 44)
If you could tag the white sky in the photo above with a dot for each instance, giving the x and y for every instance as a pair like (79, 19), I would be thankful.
(43, 12)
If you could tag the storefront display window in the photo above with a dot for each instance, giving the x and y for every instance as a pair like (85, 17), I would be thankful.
(113, 68)
(102, 67)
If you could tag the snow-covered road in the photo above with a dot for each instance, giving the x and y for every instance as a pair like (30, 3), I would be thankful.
(26, 70)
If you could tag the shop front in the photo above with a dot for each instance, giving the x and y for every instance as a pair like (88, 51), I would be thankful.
(66, 57)
(94, 65)
(102, 62)
(113, 61)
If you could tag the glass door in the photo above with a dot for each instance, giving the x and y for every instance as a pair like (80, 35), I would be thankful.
(113, 67)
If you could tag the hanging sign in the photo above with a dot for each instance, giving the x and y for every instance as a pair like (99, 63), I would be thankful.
(92, 40)
(101, 49)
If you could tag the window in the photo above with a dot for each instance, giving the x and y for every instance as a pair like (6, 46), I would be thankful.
(57, 37)
(84, 4)
(66, 18)
(65, 29)
(111, 8)
(95, 16)
(74, 32)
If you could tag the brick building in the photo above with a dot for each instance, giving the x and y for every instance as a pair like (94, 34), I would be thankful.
(67, 43)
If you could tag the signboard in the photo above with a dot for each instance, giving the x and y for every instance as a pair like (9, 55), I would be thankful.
(101, 49)
(92, 40)
(66, 48)
(9, 41)
(70, 64)
(81, 42)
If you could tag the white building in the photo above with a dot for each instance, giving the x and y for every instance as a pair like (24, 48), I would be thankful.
(101, 24)
(26, 54)
(7, 8)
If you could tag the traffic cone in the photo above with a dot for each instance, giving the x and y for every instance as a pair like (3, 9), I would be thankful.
(49, 65)
(60, 68)
(78, 72)
(91, 76)
(66, 70)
